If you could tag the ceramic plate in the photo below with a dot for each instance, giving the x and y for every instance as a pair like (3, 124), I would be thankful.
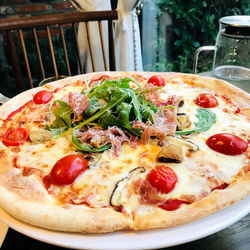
(157, 238)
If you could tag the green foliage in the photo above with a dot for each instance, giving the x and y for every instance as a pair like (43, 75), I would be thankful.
(196, 23)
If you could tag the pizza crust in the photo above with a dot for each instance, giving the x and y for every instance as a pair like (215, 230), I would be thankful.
(68, 218)
(214, 202)
(80, 218)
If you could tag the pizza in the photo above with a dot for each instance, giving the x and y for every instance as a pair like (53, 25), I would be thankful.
(108, 151)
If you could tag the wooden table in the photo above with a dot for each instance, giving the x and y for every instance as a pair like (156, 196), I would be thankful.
(235, 237)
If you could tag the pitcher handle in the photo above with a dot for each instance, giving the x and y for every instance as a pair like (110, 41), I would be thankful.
(197, 52)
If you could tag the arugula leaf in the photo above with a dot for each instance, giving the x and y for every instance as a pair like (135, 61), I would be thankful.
(85, 147)
(94, 106)
(109, 119)
(124, 82)
(206, 119)
(114, 102)
(62, 114)
(147, 109)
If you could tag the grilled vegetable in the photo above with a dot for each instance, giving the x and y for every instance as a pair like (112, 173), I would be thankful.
(116, 196)
(40, 136)
(183, 122)
(172, 152)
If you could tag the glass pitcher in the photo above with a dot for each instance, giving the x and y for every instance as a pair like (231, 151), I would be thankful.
(232, 49)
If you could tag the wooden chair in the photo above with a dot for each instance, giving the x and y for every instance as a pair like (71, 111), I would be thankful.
(16, 29)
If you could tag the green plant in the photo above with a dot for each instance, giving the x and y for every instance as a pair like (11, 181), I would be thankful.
(196, 23)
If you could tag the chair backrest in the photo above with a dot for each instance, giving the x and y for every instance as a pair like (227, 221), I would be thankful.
(16, 29)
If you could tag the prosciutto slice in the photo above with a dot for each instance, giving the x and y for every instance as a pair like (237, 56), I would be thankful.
(116, 137)
(91, 133)
(148, 194)
(165, 123)
(154, 97)
(166, 120)
(78, 102)
(113, 135)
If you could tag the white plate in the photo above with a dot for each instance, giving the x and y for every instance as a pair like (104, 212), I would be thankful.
(136, 240)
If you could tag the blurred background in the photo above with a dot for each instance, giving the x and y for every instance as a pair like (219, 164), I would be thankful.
(171, 31)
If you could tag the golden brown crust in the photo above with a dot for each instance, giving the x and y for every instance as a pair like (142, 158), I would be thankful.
(45, 213)
(214, 202)
(26, 205)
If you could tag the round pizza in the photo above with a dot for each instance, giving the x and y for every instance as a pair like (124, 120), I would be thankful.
(109, 151)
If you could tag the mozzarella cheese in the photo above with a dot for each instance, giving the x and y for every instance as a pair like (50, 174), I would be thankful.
(197, 174)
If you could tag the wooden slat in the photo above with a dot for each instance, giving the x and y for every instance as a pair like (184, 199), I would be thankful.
(77, 48)
(52, 51)
(61, 18)
(26, 60)
(38, 51)
(65, 49)
(15, 62)
(102, 43)
(90, 46)
(111, 47)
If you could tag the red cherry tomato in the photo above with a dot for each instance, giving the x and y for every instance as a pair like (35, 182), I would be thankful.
(171, 204)
(42, 97)
(100, 78)
(206, 100)
(227, 144)
(162, 178)
(66, 170)
(15, 137)
(157, 81)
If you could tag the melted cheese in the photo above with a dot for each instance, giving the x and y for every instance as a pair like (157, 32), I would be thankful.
(197, 174)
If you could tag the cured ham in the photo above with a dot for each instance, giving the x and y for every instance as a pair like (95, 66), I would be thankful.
(165, 123)
(148, 194)
(78, 102)
(165, 120)
(116, 137)
(113, 135)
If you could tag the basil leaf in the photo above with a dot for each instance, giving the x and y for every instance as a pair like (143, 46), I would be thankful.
(206, 119)
(84, 147)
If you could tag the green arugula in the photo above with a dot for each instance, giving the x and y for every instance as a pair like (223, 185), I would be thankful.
(111, 103)
(114, 102)
(206, 119)
(108, 119)
(63, 115)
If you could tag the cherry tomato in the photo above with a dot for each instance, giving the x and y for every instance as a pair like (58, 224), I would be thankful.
(227, 144)
(42, 97)
(67, 169)
(15, 137)
(206, 100)
(100, 78)
(157, 81)
(162, 178)
(171, 204)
